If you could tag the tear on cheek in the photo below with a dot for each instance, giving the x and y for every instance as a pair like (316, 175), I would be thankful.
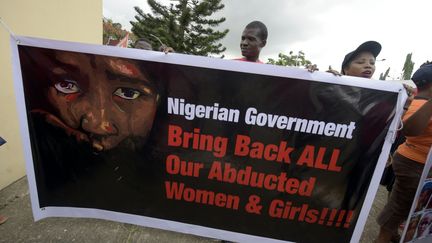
(71, 97)
(106, 126)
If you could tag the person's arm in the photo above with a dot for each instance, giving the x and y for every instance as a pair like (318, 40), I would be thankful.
(410, 92)
(311, 67)
(166, 49)
(417, 122)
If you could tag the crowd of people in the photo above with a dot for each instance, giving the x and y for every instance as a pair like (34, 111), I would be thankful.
(407, 162)
(409, 158)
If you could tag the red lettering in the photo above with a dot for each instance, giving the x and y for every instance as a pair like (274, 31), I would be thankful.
(174, 138)
(293, 212)
(216, 171)
(303, 212)
(281, 183)
(176, 166)
(229, 174)
(241, 146)
(172, 164)
(269, 152)
(243, 176)
(173, 190)
(284, 153)
(257, 150)
(307, 156)
(292, 185)
(306, 187)
(319, 160)
(333, 161)
(276, 208)
(312, 216)
(270, 182)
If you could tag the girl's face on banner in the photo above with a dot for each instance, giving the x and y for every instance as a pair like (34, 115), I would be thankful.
(424, 223)
(412, 228)
(102, 100)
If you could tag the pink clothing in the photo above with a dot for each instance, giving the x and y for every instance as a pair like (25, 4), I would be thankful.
(245, 60)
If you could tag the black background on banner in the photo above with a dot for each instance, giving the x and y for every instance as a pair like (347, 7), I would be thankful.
(69, 174)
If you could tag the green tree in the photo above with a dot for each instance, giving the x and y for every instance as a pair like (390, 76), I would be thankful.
(184, 25)
(294, 60)
(112, 30)
(408, 67)
(384, 75)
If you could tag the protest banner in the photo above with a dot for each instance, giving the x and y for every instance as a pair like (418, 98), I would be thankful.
(418, 227)
(219, 148)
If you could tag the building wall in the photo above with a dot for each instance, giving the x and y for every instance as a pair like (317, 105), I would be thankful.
(77, 20)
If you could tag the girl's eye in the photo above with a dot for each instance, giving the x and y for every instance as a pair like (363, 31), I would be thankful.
(67, 87)
(127, 93)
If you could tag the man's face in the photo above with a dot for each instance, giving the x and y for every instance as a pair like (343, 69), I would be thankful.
(104, 99)
(251, 44)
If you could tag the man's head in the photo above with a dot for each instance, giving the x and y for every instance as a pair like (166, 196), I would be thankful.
(253, 39)
(143, 43)
(361, 61)
(105, 100)
(423, 77)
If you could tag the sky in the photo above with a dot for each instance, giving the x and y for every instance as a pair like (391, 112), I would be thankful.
(325, 30)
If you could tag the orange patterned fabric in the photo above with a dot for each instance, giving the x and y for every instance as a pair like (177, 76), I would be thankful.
(417, 148)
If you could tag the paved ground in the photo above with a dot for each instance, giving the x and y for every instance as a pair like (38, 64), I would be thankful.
(15, 204)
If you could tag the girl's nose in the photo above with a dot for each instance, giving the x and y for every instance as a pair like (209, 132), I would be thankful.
(98, 122)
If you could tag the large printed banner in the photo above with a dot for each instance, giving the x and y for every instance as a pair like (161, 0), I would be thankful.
(219, 148)
(418, 227)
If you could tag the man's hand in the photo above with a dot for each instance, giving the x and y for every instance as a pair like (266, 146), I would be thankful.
(166, 49)
(411, 93)
(312, 67)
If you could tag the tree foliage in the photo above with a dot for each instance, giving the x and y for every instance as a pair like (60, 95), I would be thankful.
(384, 75)
(112, 31)
(294, 60)
(408, 67)
(184, 25)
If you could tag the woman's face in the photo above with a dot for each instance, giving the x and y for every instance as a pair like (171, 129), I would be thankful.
(104, 99)
(363, 65)
(423, 198)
